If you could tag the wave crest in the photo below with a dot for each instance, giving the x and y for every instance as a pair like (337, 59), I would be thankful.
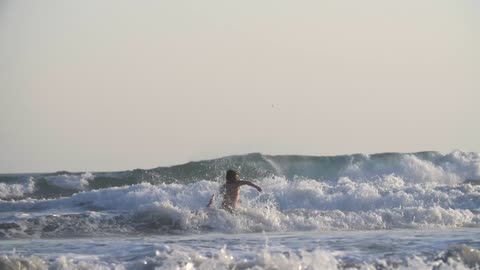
(285, 205)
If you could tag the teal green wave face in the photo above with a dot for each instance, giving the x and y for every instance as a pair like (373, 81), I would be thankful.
(422, 168)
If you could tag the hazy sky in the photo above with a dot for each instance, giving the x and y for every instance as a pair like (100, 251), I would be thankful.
(110, 85)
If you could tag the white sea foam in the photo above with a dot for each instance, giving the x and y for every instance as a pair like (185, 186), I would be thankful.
(166, 257)
(22, 262)
(9, 191)
(285, 205)
(70, 181)
(453, 168)
(64, 262)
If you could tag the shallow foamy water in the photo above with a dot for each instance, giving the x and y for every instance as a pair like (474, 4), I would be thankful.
(420, 249)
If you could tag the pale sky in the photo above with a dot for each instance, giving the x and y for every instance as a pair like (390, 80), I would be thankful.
(115, 85)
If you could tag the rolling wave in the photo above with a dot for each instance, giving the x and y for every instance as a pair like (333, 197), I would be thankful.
(422, 167)
(357, 192)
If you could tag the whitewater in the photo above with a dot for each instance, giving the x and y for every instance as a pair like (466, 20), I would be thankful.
(381, 211)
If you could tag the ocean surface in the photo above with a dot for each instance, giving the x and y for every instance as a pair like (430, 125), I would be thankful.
(381, 211)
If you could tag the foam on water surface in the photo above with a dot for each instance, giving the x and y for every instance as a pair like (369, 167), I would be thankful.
(399, 249)
(302, 196)
(285, 205)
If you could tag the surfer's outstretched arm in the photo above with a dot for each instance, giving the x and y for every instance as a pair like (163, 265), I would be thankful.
(248, 183)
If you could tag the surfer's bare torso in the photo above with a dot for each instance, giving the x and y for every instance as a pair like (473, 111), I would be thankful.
(231, 192)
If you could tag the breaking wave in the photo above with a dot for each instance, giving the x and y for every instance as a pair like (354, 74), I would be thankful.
(357, 192)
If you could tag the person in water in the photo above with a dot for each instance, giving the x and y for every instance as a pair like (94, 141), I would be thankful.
(231, 191)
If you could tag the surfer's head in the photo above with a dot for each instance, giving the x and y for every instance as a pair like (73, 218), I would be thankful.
(231, 176)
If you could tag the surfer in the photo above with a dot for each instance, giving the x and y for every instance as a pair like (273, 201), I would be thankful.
(231, 191)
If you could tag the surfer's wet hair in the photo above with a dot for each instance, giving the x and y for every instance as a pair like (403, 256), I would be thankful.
(231, 175)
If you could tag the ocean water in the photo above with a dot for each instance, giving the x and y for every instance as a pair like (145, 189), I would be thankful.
(382, 211)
